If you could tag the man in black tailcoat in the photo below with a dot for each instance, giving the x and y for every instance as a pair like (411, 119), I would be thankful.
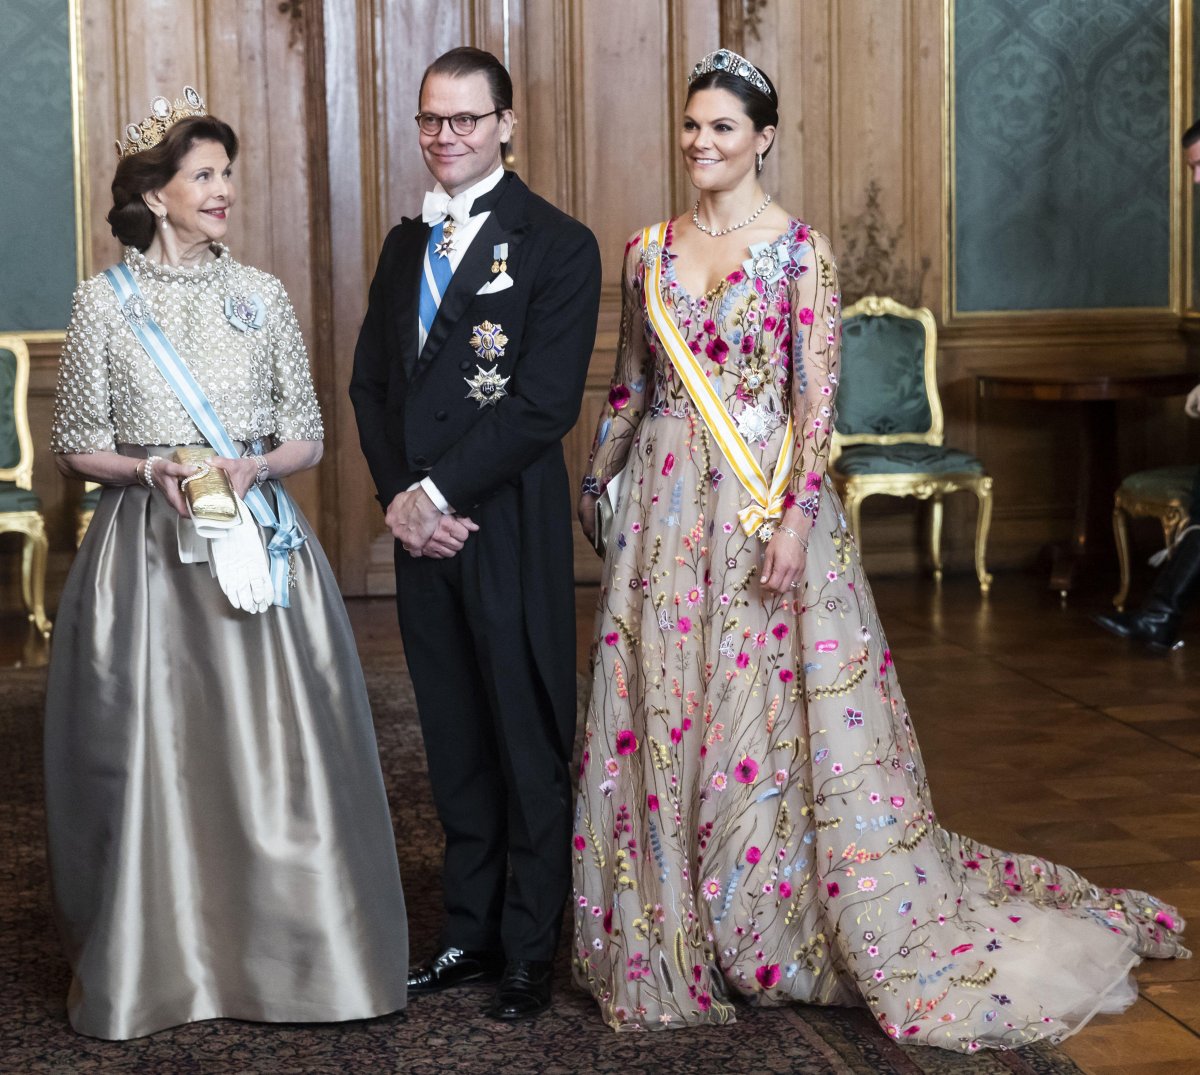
(469, 370)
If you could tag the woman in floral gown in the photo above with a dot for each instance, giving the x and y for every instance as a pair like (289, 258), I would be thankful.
(754, 817)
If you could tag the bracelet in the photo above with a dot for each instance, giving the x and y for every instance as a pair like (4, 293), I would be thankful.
(792, 533)
(148, 470)
(264, 469)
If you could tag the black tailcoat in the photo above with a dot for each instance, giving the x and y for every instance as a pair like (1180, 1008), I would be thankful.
(501, 613)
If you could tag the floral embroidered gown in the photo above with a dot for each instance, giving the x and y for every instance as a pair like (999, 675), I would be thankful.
(754, 817)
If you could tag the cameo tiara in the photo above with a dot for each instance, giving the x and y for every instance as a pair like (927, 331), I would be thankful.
(163, 116)
(730, 63)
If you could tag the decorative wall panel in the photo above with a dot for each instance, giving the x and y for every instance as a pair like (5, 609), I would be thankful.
(1062, 154)
(37, 166)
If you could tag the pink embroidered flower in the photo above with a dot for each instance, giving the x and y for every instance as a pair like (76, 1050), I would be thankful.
(768, 976)
(710, 327)
(685, 625)
(703, 1001)
(720, 781)
(676, 735)
(780, 631)
(786, 675)
(618, 396)
(834, 889)
(746, 771)
(753, 855)
(651, 801)
(806, 316)
(812, 480)
(718, 350)
(867, 884)
(760, 639)
(826, 645)
(626, 742)
(580, 843)
(711, 889)
(613, 767)
(785, 890)
(612, 638)
(743, 660)
(781, 776)
(668, 464)
(608, 921)
(748, 342)
(694, 595)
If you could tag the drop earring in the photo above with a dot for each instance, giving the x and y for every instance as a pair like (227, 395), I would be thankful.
(758, 161)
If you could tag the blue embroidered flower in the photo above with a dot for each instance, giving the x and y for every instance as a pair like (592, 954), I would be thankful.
(245, 312)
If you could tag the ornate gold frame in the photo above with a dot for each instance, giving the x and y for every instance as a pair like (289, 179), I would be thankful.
(30, 524)
(1178, 283)
(855, 488)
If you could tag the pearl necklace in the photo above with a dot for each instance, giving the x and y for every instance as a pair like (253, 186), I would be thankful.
(732, 227)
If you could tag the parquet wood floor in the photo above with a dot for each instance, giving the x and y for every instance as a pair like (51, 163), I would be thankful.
(1040, 734)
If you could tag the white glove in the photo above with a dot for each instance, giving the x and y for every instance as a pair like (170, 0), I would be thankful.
(239, 562)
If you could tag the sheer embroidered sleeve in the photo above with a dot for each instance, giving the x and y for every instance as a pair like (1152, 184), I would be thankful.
(626, 402)
(82, 403)
(816, 334)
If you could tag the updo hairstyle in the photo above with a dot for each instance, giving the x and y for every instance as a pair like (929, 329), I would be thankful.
(761, 108)
(152, 169)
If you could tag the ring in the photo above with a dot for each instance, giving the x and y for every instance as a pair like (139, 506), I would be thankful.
(795, 585)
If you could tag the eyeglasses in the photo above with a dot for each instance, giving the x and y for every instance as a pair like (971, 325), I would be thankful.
(462, 124)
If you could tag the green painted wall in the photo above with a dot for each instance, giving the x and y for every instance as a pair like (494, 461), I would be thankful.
(1062, 154)
(37, 184)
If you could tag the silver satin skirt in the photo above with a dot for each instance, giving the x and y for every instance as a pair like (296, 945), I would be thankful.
(220, 842)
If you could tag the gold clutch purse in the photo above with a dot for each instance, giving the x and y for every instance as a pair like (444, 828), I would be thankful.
(209, 495)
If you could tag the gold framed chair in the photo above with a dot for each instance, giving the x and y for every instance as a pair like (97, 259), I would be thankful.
(1163, 494)
(86, 509)
(20, 508)
(888, 435)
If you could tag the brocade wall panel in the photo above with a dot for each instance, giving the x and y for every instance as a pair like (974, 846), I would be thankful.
(37, 210)
(1062, 154)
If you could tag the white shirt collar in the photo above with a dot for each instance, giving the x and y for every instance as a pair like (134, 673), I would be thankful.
(479, 189)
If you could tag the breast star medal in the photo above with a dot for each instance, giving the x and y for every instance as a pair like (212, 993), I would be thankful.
(488, 341)
(444, 247)
(487, 387)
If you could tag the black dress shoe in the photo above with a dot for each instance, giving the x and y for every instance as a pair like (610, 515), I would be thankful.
(453, 967)
(524, 990)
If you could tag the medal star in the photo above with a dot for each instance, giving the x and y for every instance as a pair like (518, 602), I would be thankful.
(487, 387)
(445, 247)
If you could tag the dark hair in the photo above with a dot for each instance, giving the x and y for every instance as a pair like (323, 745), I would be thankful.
(152, 169)
(464, 61)
(761, 108)
(1192, 135)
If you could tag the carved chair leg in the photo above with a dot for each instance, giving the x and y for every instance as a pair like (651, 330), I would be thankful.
(936, 515)
(1121, 534)
(34, 553)
(853, 506)
(983, 524)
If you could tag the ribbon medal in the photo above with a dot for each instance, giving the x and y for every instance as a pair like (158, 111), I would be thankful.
(488, 341)
(500, 258)
(766, 261)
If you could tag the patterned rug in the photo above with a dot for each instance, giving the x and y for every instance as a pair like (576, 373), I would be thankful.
(437, 1034)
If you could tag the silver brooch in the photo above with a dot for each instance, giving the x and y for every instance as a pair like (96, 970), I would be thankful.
(488, 341)
(766, 261)
(487, 387)
(650, 254)
(135, 311)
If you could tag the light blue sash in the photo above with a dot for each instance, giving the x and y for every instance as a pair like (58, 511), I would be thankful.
(287, 531)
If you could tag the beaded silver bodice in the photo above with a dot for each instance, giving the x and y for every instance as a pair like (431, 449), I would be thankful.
(234, 327)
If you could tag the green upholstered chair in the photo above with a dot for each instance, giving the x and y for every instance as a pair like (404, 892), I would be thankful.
(20, 508)
(1163, 494)
(889, 428)
(86, 509)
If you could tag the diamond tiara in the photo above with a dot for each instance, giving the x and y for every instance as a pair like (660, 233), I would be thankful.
(730, 63)
(163, 116)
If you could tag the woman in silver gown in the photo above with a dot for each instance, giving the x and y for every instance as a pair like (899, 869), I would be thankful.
(754, 818)
(220, 841)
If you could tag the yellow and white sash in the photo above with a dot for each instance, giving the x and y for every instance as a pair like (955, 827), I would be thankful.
(766, 501)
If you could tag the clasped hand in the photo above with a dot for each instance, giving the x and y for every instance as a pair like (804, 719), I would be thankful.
(416, 523)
